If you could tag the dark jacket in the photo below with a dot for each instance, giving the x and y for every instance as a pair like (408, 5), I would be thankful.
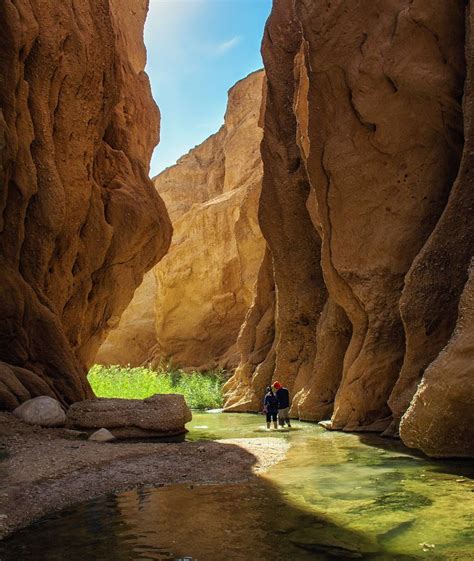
(270, 403)
(283, 396)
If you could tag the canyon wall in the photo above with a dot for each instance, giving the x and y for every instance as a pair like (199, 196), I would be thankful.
(367, 213)
(190, 308)
(80, 222)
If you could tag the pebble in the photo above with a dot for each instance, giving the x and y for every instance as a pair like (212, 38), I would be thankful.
(102, 435)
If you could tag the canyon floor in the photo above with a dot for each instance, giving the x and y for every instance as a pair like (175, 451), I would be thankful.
(45, 470)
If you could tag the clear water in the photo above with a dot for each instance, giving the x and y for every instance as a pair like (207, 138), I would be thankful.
(335, 496)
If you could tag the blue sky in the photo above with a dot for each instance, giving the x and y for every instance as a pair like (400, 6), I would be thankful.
(197, 50)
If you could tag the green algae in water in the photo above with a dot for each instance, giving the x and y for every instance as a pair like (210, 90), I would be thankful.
(335, 496)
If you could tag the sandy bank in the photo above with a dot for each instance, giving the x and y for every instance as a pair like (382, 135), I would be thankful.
(46, 470)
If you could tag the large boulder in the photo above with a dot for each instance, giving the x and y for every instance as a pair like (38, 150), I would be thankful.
(80, 222)
(159, 415)
(43, 411)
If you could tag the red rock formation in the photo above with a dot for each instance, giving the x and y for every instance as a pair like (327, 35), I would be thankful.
(363, 106)
(440, 419)
(288, 229)
(384, 133)
(433, 286)
(79, 219)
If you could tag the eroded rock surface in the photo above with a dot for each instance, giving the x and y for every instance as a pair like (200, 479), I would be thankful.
(369, 231)
(382, 160)
(158, 415)
(131, 342)
(440, 419)
(256, 345)
(204, 286)
(80, 221)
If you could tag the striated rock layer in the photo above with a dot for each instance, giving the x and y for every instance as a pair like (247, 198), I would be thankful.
(369, 231)
(80, 221)
(190, 313)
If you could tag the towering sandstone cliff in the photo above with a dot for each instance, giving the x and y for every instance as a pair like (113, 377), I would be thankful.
(190, 308)
(367, 211)
(363, 303)
(80, 221)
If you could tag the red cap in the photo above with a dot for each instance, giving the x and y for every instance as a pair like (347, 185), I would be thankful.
(277, 385)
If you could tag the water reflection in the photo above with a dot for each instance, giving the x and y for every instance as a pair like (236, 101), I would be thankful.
(336, 496)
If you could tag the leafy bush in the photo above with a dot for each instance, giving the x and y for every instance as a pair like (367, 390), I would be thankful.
(201, 390)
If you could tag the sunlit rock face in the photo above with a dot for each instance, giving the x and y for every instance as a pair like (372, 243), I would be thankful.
(363, 137)
(80, 221)
(191, 310)
(130, 343)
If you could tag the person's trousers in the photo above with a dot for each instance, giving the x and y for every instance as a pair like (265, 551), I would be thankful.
(284, 415)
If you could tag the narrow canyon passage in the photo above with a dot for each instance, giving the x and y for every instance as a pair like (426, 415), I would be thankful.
(304, 226)
(346, 162)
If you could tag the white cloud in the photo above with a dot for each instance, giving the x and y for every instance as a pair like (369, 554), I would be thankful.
(170, 16)
(224, 47)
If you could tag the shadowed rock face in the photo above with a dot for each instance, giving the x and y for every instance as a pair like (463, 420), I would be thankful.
(363, 131)
(385, 135)
(256, 345)
(440, 419)
(80, 221)
(190, 308)
(429, 303)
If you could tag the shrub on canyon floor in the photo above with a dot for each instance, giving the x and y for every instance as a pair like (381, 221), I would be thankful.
(201, 390)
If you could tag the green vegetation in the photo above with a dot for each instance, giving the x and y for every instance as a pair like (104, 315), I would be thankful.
(201, 390)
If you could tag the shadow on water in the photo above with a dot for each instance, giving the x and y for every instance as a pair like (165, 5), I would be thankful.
(336, 496)
(240, 521)
(462, 467)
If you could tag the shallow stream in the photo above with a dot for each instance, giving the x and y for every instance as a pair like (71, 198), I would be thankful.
(335, 496)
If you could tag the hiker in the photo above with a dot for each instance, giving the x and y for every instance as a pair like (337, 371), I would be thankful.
(283, 396)
(270, 407)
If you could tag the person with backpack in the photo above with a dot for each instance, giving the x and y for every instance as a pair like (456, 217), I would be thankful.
(270, 408)
(283, 397)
